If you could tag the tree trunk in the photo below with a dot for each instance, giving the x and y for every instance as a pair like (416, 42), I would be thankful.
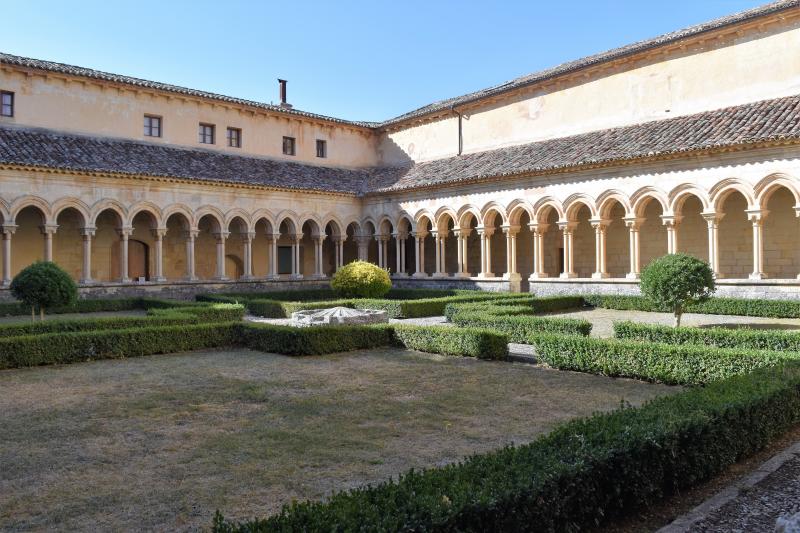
(33, 313)
(41, 314)
(677, 323)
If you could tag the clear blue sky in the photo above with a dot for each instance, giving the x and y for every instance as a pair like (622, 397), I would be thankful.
(360, 60)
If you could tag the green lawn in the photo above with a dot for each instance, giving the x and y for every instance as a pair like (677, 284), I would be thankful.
(161, 442)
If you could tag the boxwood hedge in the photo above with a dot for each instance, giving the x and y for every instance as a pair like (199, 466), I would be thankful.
(664, 363)
(712, 306)
(749, 339)
(582, 474)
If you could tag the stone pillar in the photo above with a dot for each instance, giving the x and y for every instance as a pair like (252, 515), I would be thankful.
(633, 224)
(511, 253)
(538, 231)
(438, 271)
(485, 235)
(296, 266)
(757, 216)
(158, 235)
(600, 228)
(363, 250)
(86, 265)
(379, 240)
(399, 260)
(463, 252)
(340, 251)
(567, 229)
(712, 220)
(419, 266)
(124, 234)
(191, 235)
(319, 271)
(220, 272)
(8, 231)
(272, 255)
(247, 242)
(48, 230)
(671, 222)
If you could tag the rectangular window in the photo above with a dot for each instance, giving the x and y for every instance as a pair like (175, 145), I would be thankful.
(288, 146)
(234, 137)
(206, 132)
(152, 126)
(6, 104)
(322, 148)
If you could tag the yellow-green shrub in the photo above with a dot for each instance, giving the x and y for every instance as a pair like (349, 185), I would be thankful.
(361, 279)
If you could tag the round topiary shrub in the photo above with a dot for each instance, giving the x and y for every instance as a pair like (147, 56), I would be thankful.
(44, 284)
(361, 279)
(676, 280)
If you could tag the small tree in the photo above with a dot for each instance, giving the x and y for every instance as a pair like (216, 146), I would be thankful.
(361, 279)
(675, 281)
(42, 285)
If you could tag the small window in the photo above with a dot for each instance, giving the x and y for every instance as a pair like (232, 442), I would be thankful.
(322, 148)
(288, 146)
(6, 104)
(152, 126)
(234, 137)
(206, 133)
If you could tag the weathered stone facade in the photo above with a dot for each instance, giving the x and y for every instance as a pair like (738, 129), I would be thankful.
(567, 180)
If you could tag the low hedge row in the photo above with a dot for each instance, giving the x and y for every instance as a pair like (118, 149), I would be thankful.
(467, 342)
(156, 317)
(712, 306)
(582, 474)
(96, 305)
(517, 320)
(70, 347)
(749, 339)
(663, 363)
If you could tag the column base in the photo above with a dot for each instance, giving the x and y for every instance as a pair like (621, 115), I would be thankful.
(159, 279)
(272, 277)
(190, 278)
(486, 275)
(440, 275)
(125, 280)
(87, 281)
(400, 275)
(757, 276)
(319, 276)
(568, 275)
(600, 275)
(632, 275)
(296, 276)
(514, 276)
(247, 278)
(420, 275)
(221, 278)
(462, 275)
(538, 275)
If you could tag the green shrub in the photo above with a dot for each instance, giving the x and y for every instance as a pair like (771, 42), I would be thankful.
(445, 340)
(361, 279)
(581, 475)
(675, 281)
(52, 348)
(749, 339)
(317, 340)
(712, 306)
(43, 285)
(663, 363)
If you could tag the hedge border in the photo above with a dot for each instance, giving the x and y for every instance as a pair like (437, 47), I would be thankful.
(712, 306)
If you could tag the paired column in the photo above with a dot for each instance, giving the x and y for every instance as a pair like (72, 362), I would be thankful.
(363, 247)
(87, 233)
(383, 251)
(400, 253)
(712, 220)
(8, 231)
(511, 252)
(124, 234)
(567, 229)
(319, 271)
(191, 235)
(247, 244)
(419, 264)
(671, 222)
(538, 231)
(634, 224)
(221, 236)
(158, 235)
(462, 234)
(439, 240)
(600, 228)
(296, 256)
(338, 243)
(48, 230)
(485, 235)
(756, 217)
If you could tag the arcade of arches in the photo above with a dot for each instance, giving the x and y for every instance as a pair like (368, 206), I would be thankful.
(744, 233)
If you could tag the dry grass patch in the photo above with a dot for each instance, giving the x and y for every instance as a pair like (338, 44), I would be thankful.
(160, 442)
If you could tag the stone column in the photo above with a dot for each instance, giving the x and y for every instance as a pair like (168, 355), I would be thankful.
(419, 266)
(437, 248)
(511, 252)
(124, 234)
(379, 240)
(712, 220)
(48, 230)
(633, 224)
(272, 255)
(191, 235)
(463, 252)
(567, 229)
(757, 216)
(296, 266)
(158, 235)
(600, 228)
(319, 271)
(340, 252)
(538, 231)
(247, 241)
(8, 231)
(485, 234)
(86, 266)
(398, 255)
(671, 222)
(220, 272)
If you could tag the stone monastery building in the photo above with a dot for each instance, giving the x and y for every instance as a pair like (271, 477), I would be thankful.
(566, 180)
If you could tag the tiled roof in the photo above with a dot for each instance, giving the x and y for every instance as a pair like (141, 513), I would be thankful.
(48, 149)
(52, 66)
(595, 59)
(768, 120)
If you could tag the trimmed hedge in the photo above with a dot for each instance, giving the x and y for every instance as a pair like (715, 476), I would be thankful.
(712, 306)
(445, 340)
(52, 348)
(663, 363)
(582, 474)
(517, 320)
